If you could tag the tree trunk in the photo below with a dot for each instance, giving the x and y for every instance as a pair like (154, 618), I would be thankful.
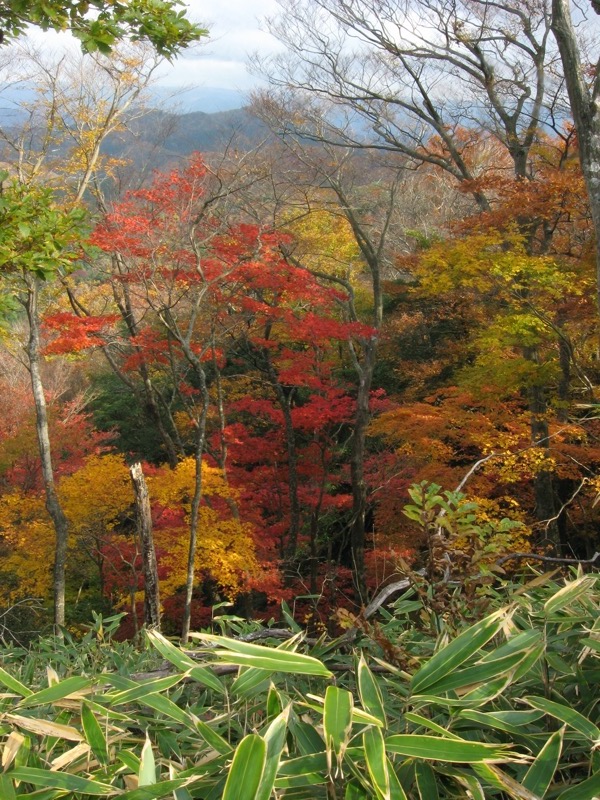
(195, 510)
(150, 568)
(61, 526)
(585, 107)
(290, 441)
(543, 483)
(357, 469)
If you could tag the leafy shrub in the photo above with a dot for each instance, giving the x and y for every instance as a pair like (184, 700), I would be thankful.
(505, 708)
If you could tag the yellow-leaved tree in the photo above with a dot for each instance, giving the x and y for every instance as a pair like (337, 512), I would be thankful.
(104, 555)
(225, 544)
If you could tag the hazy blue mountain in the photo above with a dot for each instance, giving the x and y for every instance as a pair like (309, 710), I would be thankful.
(160, 137)
(198, 98)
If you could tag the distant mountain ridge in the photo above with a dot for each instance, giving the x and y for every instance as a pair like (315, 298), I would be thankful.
(161, 137)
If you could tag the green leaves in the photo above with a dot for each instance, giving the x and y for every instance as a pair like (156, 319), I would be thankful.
(160, 22)
(147, 772)
(183, 662)
(454, 654)
(59, 780)
(94, 735)
(541, 772)
(456, 751)
(369, 691)
(567, 715)
(247, 769)
(337, 723)
(115, 737)
(255, 655)
(37, 237)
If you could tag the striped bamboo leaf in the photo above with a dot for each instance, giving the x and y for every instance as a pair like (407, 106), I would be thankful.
(540, 774)
(61, 780)
(337, 723)
(147, 771)
(565, 714)
(57, 691)
(369, 691)
(267, 658)
(454, 654)
(275, 739)
(94, 735)
(377, 762)
(246, 769)
(183, 662)
(458, 751)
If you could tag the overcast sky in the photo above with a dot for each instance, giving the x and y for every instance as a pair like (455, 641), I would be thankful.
(213, 73)
(235, 31)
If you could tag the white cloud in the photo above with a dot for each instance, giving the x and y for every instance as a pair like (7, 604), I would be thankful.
(237, 30)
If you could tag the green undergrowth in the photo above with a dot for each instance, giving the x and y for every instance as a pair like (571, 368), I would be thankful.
(505, 707)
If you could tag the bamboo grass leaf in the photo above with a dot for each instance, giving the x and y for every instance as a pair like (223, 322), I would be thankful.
(143, 689)
(183, 662)
(275, 739)
(94, 734)
(568, 594)
(62, 780)
(58, 691)
(6, 679)
(7, 789)
(246, 769)
(565, 714)
(249, 680)
(458, 651)
(45, 728)
(12, 745)
(376, 761)
(436, 748)
(426, 782)
(147, 771)
(267, 658)
(586, 790)
(540, 774)
(369, 691)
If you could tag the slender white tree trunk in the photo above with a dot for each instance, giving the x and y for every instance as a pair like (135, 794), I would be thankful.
(59, 520)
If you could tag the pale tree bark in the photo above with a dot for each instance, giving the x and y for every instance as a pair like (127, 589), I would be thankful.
(584, 98)
(149, 565)
(53, 505)
(199, 448)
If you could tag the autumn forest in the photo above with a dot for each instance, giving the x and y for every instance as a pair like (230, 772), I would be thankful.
(298, 369)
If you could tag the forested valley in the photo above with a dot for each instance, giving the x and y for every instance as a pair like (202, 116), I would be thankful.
(330, 385)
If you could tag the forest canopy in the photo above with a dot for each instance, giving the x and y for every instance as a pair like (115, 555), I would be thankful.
(364, 348)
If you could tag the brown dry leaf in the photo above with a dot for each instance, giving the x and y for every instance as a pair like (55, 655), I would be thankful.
(11, 747)
(71, 755)
(44, 728)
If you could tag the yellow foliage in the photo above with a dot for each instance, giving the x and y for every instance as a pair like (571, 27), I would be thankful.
(95, 499)
(491, 536)
(27, 530)
(325, 242)
(225, 550)
(95, 496)
(175, 488)
(225, 545)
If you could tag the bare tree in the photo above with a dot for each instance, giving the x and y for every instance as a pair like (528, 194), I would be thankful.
(149, 565)
(425, 78)
(582, 78)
